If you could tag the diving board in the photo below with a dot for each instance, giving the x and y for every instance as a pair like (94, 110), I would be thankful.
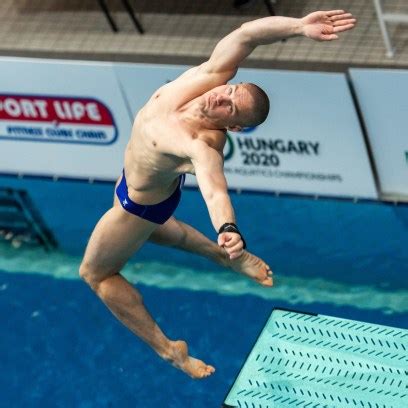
(315, 361)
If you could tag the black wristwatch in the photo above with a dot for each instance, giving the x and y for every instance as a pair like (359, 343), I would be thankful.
(231, 227)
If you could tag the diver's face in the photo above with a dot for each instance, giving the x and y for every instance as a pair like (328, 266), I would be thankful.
(227, 104)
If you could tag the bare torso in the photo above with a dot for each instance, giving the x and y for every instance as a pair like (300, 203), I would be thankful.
(155, 155)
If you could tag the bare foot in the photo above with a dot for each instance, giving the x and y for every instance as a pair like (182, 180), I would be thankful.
(253, 267)
(191, 366)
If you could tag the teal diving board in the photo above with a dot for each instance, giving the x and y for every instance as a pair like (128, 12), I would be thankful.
(315, 361)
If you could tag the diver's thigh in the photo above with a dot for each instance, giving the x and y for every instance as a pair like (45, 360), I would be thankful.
(168, 233)
(117, 235)
(115, 197)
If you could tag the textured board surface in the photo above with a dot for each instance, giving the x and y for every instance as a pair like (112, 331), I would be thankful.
(302, 360)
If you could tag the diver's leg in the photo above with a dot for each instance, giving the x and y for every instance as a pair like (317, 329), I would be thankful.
(116, 237)
(177, 234)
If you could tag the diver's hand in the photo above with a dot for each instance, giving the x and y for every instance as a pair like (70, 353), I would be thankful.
(232, 243)
(325, 25)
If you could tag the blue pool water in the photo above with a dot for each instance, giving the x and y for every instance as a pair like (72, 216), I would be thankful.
(60, 347)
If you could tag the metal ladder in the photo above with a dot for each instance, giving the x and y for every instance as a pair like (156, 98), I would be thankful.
(383, 19)
(20, 223)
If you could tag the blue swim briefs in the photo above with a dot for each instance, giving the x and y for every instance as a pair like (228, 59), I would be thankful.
(157, 213)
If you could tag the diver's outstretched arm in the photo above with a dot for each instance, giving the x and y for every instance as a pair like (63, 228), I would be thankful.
(235, 47)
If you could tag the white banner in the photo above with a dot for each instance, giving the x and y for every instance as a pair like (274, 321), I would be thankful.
(70, 119)
(140, 81)
(311, 142)
(382, 96)
(61, 118)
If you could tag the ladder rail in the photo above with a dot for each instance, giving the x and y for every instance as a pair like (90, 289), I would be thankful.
(46, 241)
(19, 217)
(383, 19)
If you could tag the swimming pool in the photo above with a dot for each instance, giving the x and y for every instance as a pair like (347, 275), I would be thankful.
(60, 347)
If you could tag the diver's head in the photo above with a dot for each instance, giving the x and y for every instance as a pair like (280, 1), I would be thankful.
(236, 106)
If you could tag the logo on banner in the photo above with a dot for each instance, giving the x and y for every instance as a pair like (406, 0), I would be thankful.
(265, 152)
(228, 148)
(56, 119)
(229, 144)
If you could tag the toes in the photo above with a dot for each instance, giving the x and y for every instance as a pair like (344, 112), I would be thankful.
(207, 371)
(269, 270)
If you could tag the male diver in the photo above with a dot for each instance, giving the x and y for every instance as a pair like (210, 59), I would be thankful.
(182, 129)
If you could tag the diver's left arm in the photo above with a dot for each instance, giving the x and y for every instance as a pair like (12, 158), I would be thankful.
(235, 47)
(208, 165)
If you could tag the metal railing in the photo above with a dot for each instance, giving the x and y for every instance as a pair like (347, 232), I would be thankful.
(104, 7)
(383, 19)
(19, 222)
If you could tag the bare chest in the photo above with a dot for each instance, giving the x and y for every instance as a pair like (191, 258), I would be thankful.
(158, 143)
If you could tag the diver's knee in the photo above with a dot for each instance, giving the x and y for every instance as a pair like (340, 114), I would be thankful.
(90, 274)
(85, 272)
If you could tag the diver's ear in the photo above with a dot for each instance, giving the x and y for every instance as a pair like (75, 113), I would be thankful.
(235, 128)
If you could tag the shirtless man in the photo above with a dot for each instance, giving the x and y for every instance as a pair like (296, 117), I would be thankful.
(182, 129)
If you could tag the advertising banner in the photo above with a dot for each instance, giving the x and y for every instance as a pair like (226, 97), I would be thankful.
(311, 142)
(139, 81)
(61, 119)
(382, 96)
